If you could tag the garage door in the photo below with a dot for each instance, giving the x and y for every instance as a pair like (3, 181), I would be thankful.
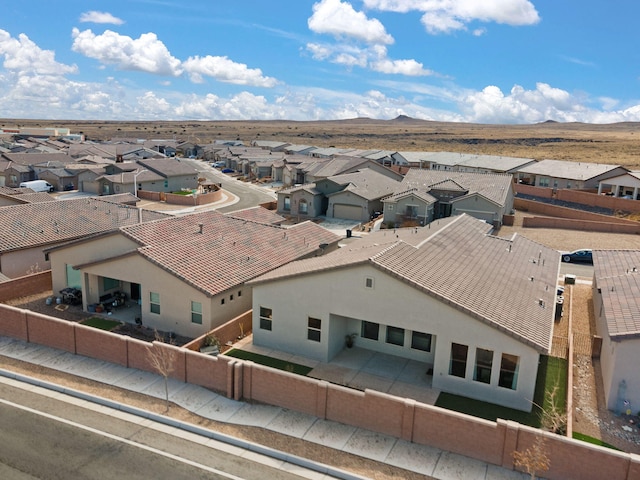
(348, 212)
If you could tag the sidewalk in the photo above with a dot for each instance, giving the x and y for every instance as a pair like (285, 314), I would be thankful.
(390, 450)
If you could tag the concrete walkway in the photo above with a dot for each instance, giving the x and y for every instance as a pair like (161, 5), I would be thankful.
(418, 458)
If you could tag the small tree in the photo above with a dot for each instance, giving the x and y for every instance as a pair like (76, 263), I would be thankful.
(163, 360)
(534, 459)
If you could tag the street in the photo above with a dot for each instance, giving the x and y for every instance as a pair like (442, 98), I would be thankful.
(248, 195)
(45, 437)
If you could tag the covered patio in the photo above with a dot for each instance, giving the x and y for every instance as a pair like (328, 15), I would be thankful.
(362, 369)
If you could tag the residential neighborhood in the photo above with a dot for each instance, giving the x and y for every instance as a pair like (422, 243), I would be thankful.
(360, 252)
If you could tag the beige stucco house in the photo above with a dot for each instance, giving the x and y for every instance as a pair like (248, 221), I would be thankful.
(616, 298)
(187, 273)
(425, 195)
(31, 228)
(477, 309)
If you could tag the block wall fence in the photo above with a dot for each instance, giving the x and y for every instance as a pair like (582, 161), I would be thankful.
(491, 442)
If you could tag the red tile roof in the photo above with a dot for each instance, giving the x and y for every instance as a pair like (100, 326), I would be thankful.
(49, 223)
(215, 252)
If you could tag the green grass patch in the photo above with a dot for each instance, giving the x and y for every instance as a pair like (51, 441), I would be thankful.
(183, 192)
(269, 361)
(586, 438)
(551, 372)
(101, 323)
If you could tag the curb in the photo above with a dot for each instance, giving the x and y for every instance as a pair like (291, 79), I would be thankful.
(164, 420)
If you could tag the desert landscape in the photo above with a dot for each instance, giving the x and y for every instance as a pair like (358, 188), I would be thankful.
(615, 144)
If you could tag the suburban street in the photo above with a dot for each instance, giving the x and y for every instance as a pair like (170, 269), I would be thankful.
(248, 195)
(50, 438)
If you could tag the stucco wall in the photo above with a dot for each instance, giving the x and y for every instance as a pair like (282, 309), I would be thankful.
(348, 198)
(478, 207)
(23, 262)
(340, 300)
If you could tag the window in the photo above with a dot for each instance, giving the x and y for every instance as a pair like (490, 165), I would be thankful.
(109, 284)
(421, 341)
(73, 277)
(370, 330)
(196, 312)
(412, 211)
(484, 361)
(509, 371)
(154, 302)
(287, 203)
(314, 327)
(239, 293)
(458, 363)
(231, 297)
(544, 182)
(395, 336)
(368, 282)
(266, 315)
(303, 208)
(222, 301)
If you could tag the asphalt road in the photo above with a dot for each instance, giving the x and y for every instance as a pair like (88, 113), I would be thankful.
(248, 195)
(46, 438)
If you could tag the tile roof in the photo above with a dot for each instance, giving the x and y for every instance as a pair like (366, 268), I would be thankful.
(494, 186)
(168, 167)
(339, 165)
(509, 284)
(228, 252)
(568, 169)
(40, 224)
(258, 214)
(617, 275)
(366, 183)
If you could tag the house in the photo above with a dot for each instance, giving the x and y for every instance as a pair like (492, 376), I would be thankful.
(154, 175)
(616, 301)
(567, 174)
(20, 196)
(61, 178)
(352, 196)
(476, 309)
(187, 273)
(626, 185)
(31, 228)
(425, 195)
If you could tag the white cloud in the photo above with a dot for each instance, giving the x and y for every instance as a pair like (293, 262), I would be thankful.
(145, 54)
(100, 17)
(408, 67)
(491, 105)
(373, 57)
(24, 57)
(445, 16)
(341, 20)
(225, 70)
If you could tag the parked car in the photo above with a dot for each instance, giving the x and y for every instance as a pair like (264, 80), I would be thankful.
(578, 256)
(227, 170)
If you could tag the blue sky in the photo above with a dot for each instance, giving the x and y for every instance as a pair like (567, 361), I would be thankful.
(484, 61)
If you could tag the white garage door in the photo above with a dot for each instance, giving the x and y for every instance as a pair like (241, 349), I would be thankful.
(349, 212)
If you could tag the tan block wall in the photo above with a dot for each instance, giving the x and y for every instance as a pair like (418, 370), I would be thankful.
(585, 225)
(207, 371)
(50, 331)
(96, 343)
(27, 285)
(459, 433)
(227, 332)
(563, 212)
(491, 442)
(148, 195)
(13, 322)
(175, 199)
(283, 389)
(206, 198)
